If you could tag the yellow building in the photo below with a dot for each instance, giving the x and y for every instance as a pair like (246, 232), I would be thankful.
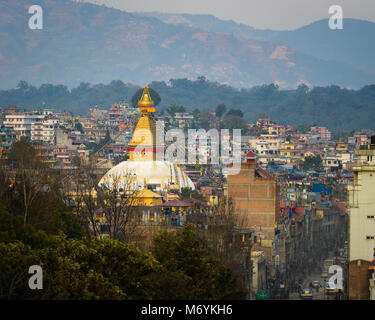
(308, 154)
(291, 151)
(148, 198)
(342, 146)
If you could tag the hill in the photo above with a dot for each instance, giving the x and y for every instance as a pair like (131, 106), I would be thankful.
(350, 45)
(83, 42)
(337, 108)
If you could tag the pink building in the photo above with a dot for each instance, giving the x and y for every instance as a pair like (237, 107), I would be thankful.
(323, 132)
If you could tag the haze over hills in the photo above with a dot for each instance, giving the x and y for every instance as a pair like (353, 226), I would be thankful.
(351, 45)
(83, 42)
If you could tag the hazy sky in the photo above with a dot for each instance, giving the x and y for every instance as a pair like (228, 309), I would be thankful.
(262, 14)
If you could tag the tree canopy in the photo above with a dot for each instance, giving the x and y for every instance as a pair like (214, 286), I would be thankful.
(178, 268)
(173, 109)
(329, 106)
(312, 163)
(220, 110)
(78, 265)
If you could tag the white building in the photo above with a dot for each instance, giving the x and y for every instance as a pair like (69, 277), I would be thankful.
(265, 144)
(362, 207)
(267, 148)
(331, 161)
(21, 123)
(44, 130)
(361, 229)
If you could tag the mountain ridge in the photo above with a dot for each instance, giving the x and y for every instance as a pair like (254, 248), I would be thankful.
(315, 38)
(84, 42)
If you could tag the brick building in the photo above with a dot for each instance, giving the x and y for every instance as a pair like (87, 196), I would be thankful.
(254, 196)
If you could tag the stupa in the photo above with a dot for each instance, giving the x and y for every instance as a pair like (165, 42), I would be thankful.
(142, 166)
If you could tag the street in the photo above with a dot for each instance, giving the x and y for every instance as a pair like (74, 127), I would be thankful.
(316, 295)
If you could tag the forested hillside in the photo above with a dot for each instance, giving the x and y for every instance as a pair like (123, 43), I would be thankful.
(337, 108)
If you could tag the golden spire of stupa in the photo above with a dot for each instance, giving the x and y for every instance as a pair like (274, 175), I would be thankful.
(142, 146)
(146, 103)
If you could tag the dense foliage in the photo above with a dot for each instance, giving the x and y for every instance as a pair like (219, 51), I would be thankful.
(339, 109)
(37, 228)
(313, 163)
(74, 268)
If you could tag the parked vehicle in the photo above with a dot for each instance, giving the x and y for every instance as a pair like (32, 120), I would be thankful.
(306, 294)
(316, 284)
(330, 287)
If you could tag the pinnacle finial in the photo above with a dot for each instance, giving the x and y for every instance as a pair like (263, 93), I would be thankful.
(145, 100)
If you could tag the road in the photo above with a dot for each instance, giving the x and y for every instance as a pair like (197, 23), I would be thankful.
(320, 295)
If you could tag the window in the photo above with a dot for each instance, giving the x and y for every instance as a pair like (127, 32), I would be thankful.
(370, 237)
(370, 217)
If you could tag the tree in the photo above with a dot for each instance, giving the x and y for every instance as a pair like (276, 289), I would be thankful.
(220, 110)
(233, 122)
(31, 174)
(303, 128)
(173, 109)
(266, 99)
(114, 201)
(78, 126)
(138, 94)
(82, 268)
(183, 253)
(196, 113)
(118, 202)
(188, 193)
(206, 120)
(235, 112)
(312, 163)
(79, 188)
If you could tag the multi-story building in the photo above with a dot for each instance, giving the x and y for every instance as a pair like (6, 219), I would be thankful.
(44, 130)
(323, 132)
(331, 162)
(267, 147)
(97, 114)
(21, 123)
(361, 233)
(254, 197)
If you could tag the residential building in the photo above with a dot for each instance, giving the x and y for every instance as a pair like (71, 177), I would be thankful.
(44, 130)
(254, 197)
(21, 123)
(361, 233)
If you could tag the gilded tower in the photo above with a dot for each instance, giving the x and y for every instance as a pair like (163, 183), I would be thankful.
(142, 162)
(142, 146)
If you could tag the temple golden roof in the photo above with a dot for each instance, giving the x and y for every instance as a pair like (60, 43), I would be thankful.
(146, 103)
(142, 146)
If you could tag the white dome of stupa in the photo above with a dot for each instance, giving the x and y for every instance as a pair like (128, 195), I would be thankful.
(133, 175)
